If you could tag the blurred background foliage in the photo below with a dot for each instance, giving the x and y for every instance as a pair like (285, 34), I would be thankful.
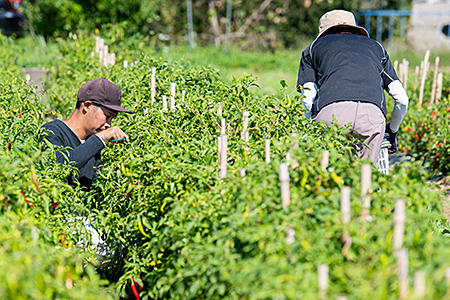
(268, 24)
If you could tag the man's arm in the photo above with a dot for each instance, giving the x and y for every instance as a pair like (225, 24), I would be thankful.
(395, 89)
(80, 154)
(306, 80)
(398, 93)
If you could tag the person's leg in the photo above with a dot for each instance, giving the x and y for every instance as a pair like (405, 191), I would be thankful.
(370, 125)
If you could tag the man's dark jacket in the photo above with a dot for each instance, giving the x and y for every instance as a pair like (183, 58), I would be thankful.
(85, 155)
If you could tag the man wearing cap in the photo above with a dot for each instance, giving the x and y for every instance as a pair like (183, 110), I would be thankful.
(85, 133)
(344, 73)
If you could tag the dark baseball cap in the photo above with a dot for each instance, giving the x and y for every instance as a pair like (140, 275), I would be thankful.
(102, 92)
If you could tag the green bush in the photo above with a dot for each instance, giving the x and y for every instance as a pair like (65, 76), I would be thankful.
(173, 226)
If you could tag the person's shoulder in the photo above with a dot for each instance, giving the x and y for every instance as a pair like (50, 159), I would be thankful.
(54, 127)
(56, 123)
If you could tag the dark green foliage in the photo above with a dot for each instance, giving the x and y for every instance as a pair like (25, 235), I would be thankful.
(281, 23)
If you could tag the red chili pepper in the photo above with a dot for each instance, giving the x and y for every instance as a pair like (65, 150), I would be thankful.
(135, 292)
(409, 129)
(416, 137)
(9, 146)
(55, 206)
(140, 286)
(28, 202)
(433, 116)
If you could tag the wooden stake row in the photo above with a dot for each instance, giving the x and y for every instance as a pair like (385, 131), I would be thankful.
(420, 76)
(423, 77)
(399, 220)
(101, 49)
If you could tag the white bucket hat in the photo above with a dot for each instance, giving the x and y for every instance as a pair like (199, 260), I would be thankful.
(339, 18)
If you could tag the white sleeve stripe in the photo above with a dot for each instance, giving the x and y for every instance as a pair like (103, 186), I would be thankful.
(392, 79)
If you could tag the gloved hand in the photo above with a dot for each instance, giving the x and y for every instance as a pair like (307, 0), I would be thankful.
(392, 138)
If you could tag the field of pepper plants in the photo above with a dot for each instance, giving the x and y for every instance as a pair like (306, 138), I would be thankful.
(173, 228)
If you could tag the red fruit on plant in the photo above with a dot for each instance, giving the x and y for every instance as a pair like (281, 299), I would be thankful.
(135, 292)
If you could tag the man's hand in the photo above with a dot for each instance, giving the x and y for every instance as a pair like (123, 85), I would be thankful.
(392, 138)
(112, 133)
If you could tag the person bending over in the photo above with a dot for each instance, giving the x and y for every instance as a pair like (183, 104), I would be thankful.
(85, 133)
(344, 73)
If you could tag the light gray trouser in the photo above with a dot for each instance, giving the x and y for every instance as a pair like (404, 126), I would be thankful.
(367, 120)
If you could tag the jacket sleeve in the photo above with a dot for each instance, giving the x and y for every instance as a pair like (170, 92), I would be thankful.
(395, 89)
(306, 71)
(79, 155)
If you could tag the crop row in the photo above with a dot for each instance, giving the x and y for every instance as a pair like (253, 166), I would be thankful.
(177, 229)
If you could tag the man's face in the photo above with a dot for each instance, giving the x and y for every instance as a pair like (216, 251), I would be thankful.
(99, 118)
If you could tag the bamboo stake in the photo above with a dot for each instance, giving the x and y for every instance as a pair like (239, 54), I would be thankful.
(92, 54)
(402, 273)
(245, 116)
(405, 73)
(439, 88)
(325, 160)
(433, 88)
(223, 157)
(153, 85)
(416, 76)
(112, 59)
(267, 150)
(99, 48)
(345, 204)
(97, 44)
(399, 223)
(290, 235)
(400, 71)
(447, 276)
(219, 147)
(423, 78)
(419, 284)
(366, 182)
(222, 126)
(396, 66)
(284, 185)
(173, 87)
(322, 274)
(247, 140)
(447, 281)
(164, 102)
(100, 56)
(288, 157)
(219, 109)
(294, 144)
(125, 63)
(345, 211)
(105, 55)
